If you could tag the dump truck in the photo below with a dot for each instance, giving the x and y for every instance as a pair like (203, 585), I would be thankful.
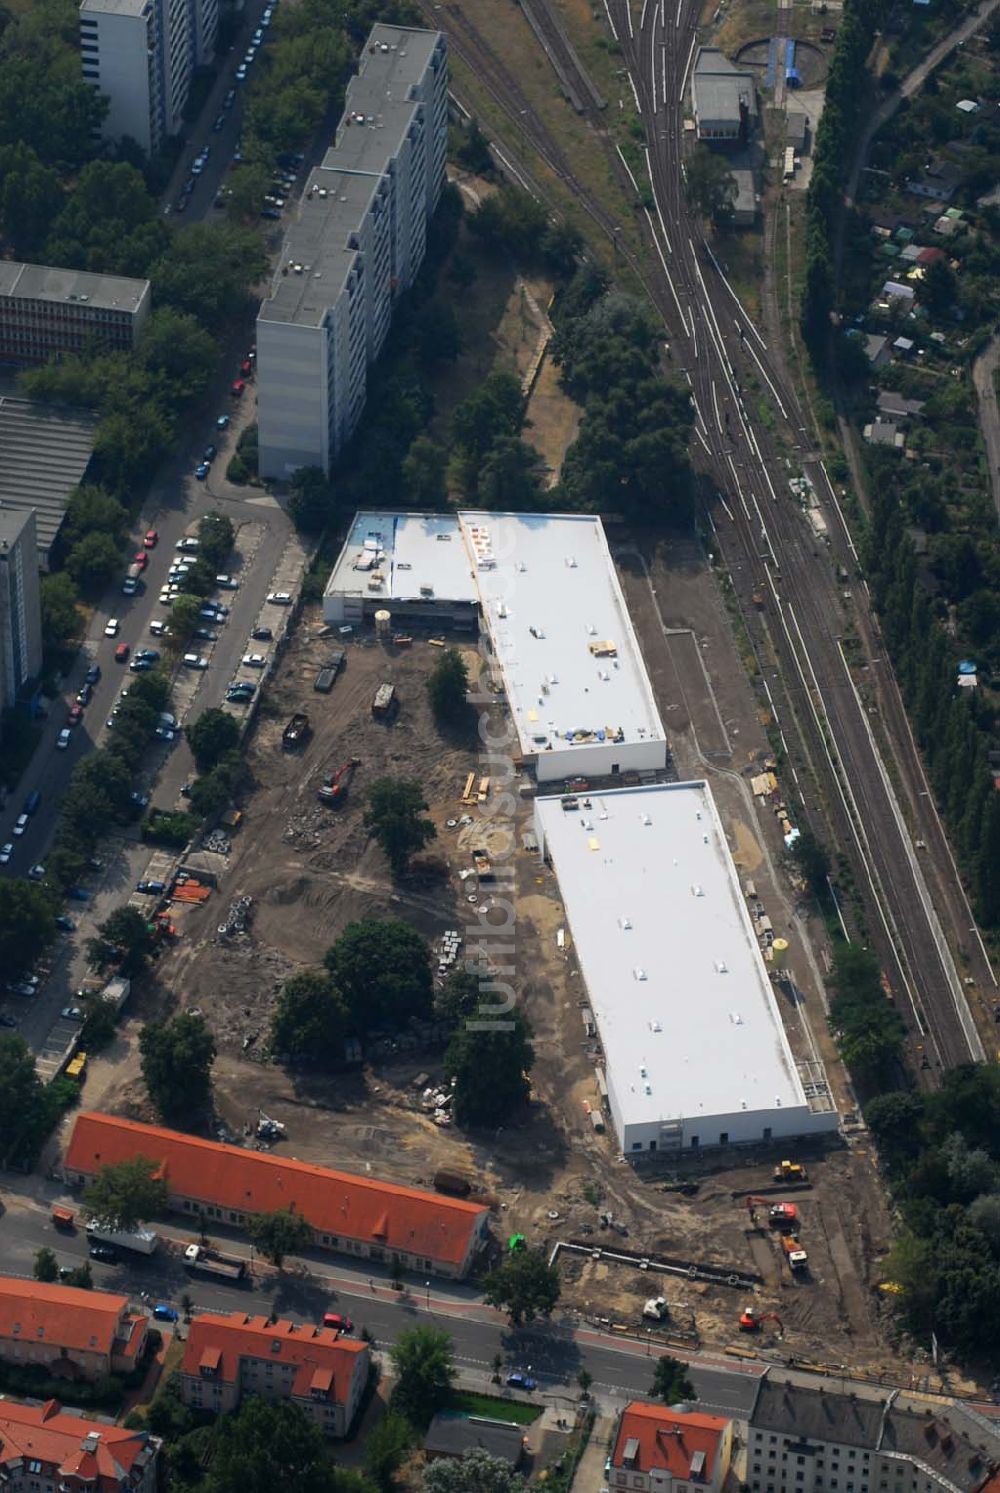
(484, 868)
(77, 1066)
(139, 1241)
(384, 702)
(62, 1217)
(296, 731)
(333, 789)
(794, 1253)
(202, 1261)
(327, 676)
(116, 992)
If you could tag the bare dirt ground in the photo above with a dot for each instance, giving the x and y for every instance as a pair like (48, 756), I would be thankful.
(311, 870)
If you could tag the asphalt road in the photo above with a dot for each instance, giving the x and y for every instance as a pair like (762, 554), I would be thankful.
(556, 1352)
(764, 537)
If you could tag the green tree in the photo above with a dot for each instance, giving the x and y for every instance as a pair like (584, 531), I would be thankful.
(459, 995)
(473, 149)
(310, 1020)
(476, 1471)
(211, 736)
(280, 1234)
(510, 476)
(310, 500)
(810, 855)
(109, 223)
(671, 1381)
(495, 409)
(27, 925)
(270, 1445)
(247, 187)
(93, 562)
(208, 270)
(386, 1447)
(423, 473)
(46, 1266)
(212, 792)
(126, 1194)
(525, 1286)
(513, 221)
(81, 1276)
(422, 1364)
(585, 1379)
(184, 618)
(175, 348)
(393, 818)
(177, 1058)
(216, 537)
(448, 686)
(123, 940)
(710, 187)
(939, 288)
(383, 971)
(30, 198)
(60, 616)
(489, 1059)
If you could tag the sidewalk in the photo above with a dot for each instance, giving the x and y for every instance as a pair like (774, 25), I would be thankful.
(590, 1477)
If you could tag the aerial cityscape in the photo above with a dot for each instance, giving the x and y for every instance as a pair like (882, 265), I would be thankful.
(499, 746)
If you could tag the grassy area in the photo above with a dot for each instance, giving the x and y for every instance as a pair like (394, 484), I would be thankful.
(743, 21)
(466, 1402)
(171, 1362)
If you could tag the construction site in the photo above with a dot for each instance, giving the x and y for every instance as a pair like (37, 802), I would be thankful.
(705, 1247)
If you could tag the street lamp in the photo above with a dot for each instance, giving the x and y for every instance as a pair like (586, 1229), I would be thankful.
(427, 1284)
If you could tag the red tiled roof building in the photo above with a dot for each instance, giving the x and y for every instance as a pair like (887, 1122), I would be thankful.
(44, 1446)
(669, 1451)
(355, 1215)
(74, 1334)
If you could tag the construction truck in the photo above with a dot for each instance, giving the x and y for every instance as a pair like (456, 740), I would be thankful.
(794, 1253)
(202, 1261)
(295, 732)
(790, 1171)
(333, 789)
(656, 1309)
(784, 1216)
(116, 992)
(139, 1241)
(752, 1320)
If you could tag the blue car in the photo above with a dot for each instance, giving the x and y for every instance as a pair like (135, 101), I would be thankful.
(201, 471)
(164, 1313)
(78, 894)
(65, 924)
(521, 1381)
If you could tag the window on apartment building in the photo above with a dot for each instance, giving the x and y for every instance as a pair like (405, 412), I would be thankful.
(801, 1461)
(756, 1467)
(799, 1476)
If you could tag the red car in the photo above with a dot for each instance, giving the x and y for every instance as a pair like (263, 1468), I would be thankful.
(75, 715)
(237, 387)
(152, 539)
(121, 653)
(246, 368)
(141, 559)
(335, 1320)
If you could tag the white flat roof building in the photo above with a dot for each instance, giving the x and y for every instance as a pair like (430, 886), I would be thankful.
(695, 1053)
(544, 589)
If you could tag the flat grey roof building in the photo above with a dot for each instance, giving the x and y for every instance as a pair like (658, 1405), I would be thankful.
(39, 282)
(454, 1435)
(44, 453)
(723, 96)
(316, 257)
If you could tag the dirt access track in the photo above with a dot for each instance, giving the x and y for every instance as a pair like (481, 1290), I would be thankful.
(311, 870)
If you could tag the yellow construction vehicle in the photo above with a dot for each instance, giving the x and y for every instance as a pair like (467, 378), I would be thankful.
(790, 1171)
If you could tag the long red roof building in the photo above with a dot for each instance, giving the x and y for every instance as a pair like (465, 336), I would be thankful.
(356, 1215)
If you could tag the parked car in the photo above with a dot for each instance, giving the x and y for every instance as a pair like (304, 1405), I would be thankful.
(164, 1313)
(194, 661)
(219, 123)
(141, 559)
(152, 888)
(241, 73)
(74, 715)
(141, 665)
(152, 539)
(106, 1253)
(239, 694)
(157, 627)
(227, 583)
(78, 894)
(210, 452)
(21, 824)
(517, 1380)
(6, 851)
(121, 653)
(112, 627)
(164, 733)
(202, 470)
(139, 798)
(71, 1013)
(205, 635)
(222, 422)
(93, 674)
(280, 598)
(336, 1321)
(64, 738)
(236, 388)
(65, 924)
(25, 990)
(84, 693)
(6, 1020)
(262, 635)
(254, 661)
(188, 545)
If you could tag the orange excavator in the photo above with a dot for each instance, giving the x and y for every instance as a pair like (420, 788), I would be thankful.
(783, 1216)
(752, 1320)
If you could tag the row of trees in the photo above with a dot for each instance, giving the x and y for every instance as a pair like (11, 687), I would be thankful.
(835, 137)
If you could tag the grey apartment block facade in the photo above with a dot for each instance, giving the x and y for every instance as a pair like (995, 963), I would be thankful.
(356, 245)
(46, 312)
(140, 54)
(823, 1438)
(20, 612)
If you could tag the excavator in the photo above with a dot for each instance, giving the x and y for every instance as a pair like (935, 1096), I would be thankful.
(783, 1216)
(751, 1320)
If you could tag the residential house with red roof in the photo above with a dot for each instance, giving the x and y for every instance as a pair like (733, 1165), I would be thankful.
(74, 1334)
(45, 1446)
(227, 1357)
(659, 1450)
(354, 1215)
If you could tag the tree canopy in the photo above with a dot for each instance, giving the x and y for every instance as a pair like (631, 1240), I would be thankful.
(671, 1381)
(526, 1286)
(448, 685)
(27, 925)
(281, 1233)
(422, 1365)
(310, 1020)
(489, 1057)
(266, 1445)
(177, 1058)
(382, 969)
(19, 1087)
(474, 1472)
(123, 941)
(710, 186)
(127, 1193)
(394, 818)
(211, 736)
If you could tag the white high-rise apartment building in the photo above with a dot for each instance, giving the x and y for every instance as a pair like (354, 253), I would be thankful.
(140, 54)
(356, 245)
(20, 610)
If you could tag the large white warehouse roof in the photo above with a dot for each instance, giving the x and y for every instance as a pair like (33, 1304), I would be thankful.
(391, 557)
(694, 1047)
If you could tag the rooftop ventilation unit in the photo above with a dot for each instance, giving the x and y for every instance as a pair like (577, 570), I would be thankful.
(736, 1018)
(639, 973)
(722, 967)
(642, 1071)
(644, 818)
(624, 922)
(648, 1088)
(655, 1026)
(570, 562)
(697, 891)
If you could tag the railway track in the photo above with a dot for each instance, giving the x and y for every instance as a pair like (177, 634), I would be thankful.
(764, 540)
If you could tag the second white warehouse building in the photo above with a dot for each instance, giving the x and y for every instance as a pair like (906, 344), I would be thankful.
(694, 1048)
